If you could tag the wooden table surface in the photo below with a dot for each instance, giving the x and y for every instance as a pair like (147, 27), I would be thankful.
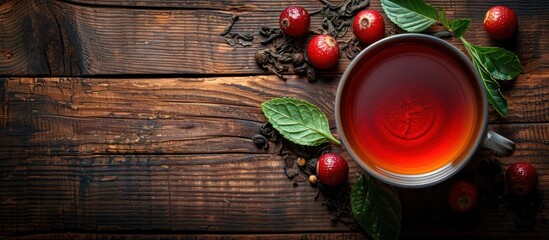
(133, 119)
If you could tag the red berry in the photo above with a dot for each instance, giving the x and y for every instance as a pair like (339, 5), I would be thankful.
(332, 169)
(323, 51)
(294, 21)
(522, 178)
(369, 26)
(500, 22)
(463, 196)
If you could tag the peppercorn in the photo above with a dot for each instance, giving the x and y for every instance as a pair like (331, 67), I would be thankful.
(298, 59)
(313, 179)
(311, 74)
(301, 162)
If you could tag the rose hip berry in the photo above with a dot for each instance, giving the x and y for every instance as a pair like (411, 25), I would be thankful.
(332, 169)
(323, 51)
(463, 196)
(294, 21)
(521, 178)
(500, 22)
(369, 26)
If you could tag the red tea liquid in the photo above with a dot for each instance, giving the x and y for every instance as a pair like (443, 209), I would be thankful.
(411, 108)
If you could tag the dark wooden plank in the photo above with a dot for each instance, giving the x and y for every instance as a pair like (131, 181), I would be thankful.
(235, 6)
(219, 193)
(299, 236)
(61, 116)
(88, 116)
(208, 192)
(277, 6)
(61, 38)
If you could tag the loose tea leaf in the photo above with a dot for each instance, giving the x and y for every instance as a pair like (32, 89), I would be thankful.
(230, 25)
(336, 18)
(498, 62)
(298, 121)
(376, 208)
(412, 16)
(352, 47)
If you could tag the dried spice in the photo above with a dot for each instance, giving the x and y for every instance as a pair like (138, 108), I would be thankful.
(244, 40)
(282, 52)
(298, 59)
(340, 204)
(337, 17)
(302, 70)
(232, 38)
(260, 141)
(352, 47)
(230, 25)
(311, 74)
(286, 49)
(267, 60)
(300, 166)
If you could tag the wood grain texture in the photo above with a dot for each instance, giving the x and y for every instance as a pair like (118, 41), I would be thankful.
(82, 116)
(175, 154)
(67, 39)
(155, 236)
(242, 192)
(133, 120)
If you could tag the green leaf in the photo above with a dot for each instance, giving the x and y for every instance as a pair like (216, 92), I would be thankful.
(410, 15)
(459, 26)
(443, 19)
(298, 121)
(376, 208)
(495, 97)
(499, 63)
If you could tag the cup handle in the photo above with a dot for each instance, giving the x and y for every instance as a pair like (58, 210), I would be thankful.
(498, 143)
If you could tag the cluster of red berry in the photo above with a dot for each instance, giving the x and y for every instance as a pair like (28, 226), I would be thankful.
(368, 26)
(500, 23)
(323, 50)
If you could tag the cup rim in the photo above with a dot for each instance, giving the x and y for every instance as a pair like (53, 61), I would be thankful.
(424, 179)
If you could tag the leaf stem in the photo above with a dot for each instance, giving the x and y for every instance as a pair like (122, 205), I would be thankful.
(332, 138)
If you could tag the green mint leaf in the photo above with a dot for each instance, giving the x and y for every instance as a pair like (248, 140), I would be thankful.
(499, 63)
(443, 19)
(459, 26)
(298, 121)
(410, 15)
(495, 97)
(376, 208)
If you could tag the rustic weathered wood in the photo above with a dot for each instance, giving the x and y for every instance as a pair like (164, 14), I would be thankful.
(156, 236)
(61, 38)
(87, 116)
(67, 116)
(97, 155)
(213, 192)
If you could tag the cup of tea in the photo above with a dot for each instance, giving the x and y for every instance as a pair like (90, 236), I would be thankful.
(411, 109)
